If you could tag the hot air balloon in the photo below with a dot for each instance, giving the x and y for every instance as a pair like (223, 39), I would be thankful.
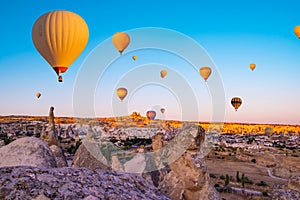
(236, 102)
(162, 110)
(151, 114)
(121, 92)
(163, 73)
(252, 66)
(121, 40)
(38, 95)
(134, 57)
(60, 36)
(297, 31)
(205, 72)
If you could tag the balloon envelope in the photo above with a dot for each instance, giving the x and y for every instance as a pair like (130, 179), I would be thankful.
(121, 40)
(134, 57)
(163, 73)
(236, 102)
(297, 31)
(252, 66)
(151, 114)
(60, 36)
(121, 92)
(38, 95)
(162, 110)
(205, 72)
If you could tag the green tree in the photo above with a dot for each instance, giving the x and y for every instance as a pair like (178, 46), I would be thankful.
(243, 180)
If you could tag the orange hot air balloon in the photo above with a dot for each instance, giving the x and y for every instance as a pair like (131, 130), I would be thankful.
(252, 66)
(60, 36)
(38, 95)
(151, 114)
(205, 72)
(134, 57)
(297, 31)
(121, 40)
(236, 102)
(162, 110)
(163, 73)
(121, 92)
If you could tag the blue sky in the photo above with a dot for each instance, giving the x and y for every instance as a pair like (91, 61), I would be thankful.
(234, 34)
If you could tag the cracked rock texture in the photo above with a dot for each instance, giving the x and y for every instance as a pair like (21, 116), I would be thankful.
(73, 183)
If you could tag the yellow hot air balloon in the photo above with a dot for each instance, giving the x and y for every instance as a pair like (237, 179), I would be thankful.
(151, 114)
(60, 36)
(121, 40)
(252, 66)
(297, 31)
(163, 73)
(38, 95)
(162, 110)
(134, 57)
(121, 92)
(205, 72)
(236, 102)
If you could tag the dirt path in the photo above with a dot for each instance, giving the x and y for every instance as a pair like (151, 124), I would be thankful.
(275, 177)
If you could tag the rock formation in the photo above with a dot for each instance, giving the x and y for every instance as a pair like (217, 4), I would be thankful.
(49, 135)
(188, 177)
(60, 159)
(89, 153)
(73, 183)
(27, 151)
(178, 169)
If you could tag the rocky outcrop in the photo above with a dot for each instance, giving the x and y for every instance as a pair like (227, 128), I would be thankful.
(84, 158)
(28, 151)
(73, 183)
(49, 134)
(60, 159)
(177, 169)
(188, 179)
(92, 154)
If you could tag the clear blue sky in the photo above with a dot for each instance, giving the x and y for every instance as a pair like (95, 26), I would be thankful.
(234, 34)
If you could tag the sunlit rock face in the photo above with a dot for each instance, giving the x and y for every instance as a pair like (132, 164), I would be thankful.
(27, 151)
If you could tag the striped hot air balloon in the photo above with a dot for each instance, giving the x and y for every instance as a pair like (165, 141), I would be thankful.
(236, 102)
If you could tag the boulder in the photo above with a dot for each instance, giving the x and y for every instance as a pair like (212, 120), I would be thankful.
(29, 183)
(59, 156)
(27, 151)
(91, 158)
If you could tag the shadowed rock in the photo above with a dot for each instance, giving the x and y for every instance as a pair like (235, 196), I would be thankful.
(60, 159)
(29, 183)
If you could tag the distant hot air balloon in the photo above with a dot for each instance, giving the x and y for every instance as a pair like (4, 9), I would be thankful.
(121, 92)
(38, 95)
(205, 72)
(297, 31)
(134, 57)
(163, 73)
(236, 102)
(162, 110)
(151, 114)
(60, 36)
(252, 66)
(121, 40)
